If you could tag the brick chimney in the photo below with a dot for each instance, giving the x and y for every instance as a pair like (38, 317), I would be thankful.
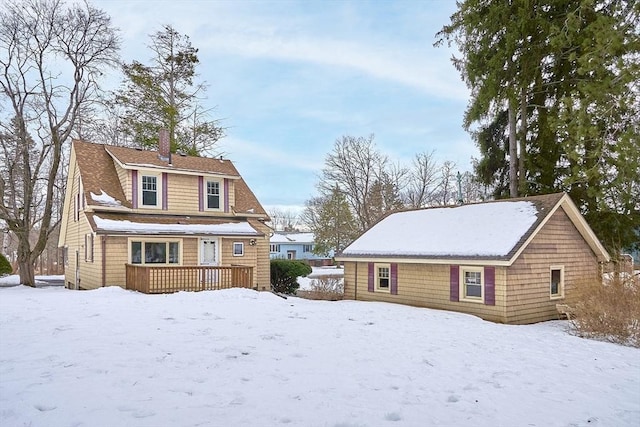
(164, 146)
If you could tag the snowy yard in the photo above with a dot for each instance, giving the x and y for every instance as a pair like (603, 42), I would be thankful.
(112, 357)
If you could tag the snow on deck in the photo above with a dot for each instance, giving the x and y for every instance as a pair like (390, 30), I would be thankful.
(488, 229)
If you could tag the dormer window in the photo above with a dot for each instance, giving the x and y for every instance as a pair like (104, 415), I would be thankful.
(213, 195)
(149, 190)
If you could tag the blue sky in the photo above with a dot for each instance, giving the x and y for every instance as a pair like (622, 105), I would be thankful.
(288, 78)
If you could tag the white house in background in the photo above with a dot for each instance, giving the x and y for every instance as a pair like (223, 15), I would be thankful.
(285, 245)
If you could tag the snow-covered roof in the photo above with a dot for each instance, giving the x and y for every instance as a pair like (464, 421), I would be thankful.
(481, 230)
(105, 199)
(177, 227)
(292, 238)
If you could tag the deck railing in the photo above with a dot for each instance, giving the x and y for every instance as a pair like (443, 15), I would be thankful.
(166, 279)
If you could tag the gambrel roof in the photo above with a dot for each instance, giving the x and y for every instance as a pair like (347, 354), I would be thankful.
(496, 231)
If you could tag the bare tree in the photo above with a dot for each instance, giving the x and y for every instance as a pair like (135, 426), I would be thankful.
(51, 58)
(448, 186)
(364, 176)
(423, 183)
(284, 219)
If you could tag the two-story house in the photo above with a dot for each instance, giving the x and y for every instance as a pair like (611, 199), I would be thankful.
(160, 222)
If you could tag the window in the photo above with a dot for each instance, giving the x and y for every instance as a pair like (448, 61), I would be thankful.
(383, 278)
(76, 207)
(88, 247)
(307, 248)
(274, 248)
(238, 249)
(213, 195)
(155, 252)
(471, 283)
(556, 285)
(149, 190)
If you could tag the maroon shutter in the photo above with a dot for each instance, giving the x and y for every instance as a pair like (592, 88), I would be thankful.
(165, 191)
(490, 285)
(226, 195)
(394, 279)
(134, 189)
(371, 277)
(200, 193)
(454, 282)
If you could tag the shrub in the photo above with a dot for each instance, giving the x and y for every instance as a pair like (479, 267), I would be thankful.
(5, 266)
(609, 311)
(327, 288)
(285, 273)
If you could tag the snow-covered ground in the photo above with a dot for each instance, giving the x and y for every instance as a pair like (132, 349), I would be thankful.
(317, 272)
(112, 357)
(14, 280)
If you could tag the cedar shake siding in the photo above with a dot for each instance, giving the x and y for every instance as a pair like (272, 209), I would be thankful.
(557, 244)
(514, 288)
(104, 208)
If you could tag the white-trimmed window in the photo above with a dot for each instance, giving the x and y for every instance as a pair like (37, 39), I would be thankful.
(149, 186)
(154, 251)
(88, 247)
(274, 248)
(238, 249)
(213, 195)
(472, 284)
(383, 277)
(556, 281)
(307, 248)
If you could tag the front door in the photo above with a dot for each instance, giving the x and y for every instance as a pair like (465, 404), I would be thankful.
(209, 257)
(208, 252)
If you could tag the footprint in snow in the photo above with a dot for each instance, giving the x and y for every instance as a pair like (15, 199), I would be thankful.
(143, 414)
(393, 416)
(44, 408)
(453, 398)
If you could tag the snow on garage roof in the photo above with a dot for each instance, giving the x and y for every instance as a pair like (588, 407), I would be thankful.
(478, 230)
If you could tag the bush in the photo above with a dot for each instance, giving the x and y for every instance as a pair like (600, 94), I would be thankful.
(327, 288)
(5, 266)
(285, 273)
(609, 311)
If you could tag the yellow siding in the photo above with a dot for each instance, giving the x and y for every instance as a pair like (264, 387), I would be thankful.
(557, 244)
(521, 291)
(88, 272)
(125, 180)
(424, 285)
(183, 197)
(183, 194)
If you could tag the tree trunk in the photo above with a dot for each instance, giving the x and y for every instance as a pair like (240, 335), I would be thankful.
(513, 153)
(522, 176)
(25, 265)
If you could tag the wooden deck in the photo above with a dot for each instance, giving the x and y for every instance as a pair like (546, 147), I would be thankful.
(168, 279)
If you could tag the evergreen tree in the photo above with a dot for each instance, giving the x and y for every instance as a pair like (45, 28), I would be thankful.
(331, 221)
(568, 72)
(165, 95)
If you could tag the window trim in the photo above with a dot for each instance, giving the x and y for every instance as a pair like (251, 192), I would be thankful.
(560, 293)
(88, 247)
(273, 246)
(144, 240)
(307, 248)
(205, 196)
(462, 285)
(159, 192)
(233, 248)
(376, 278)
